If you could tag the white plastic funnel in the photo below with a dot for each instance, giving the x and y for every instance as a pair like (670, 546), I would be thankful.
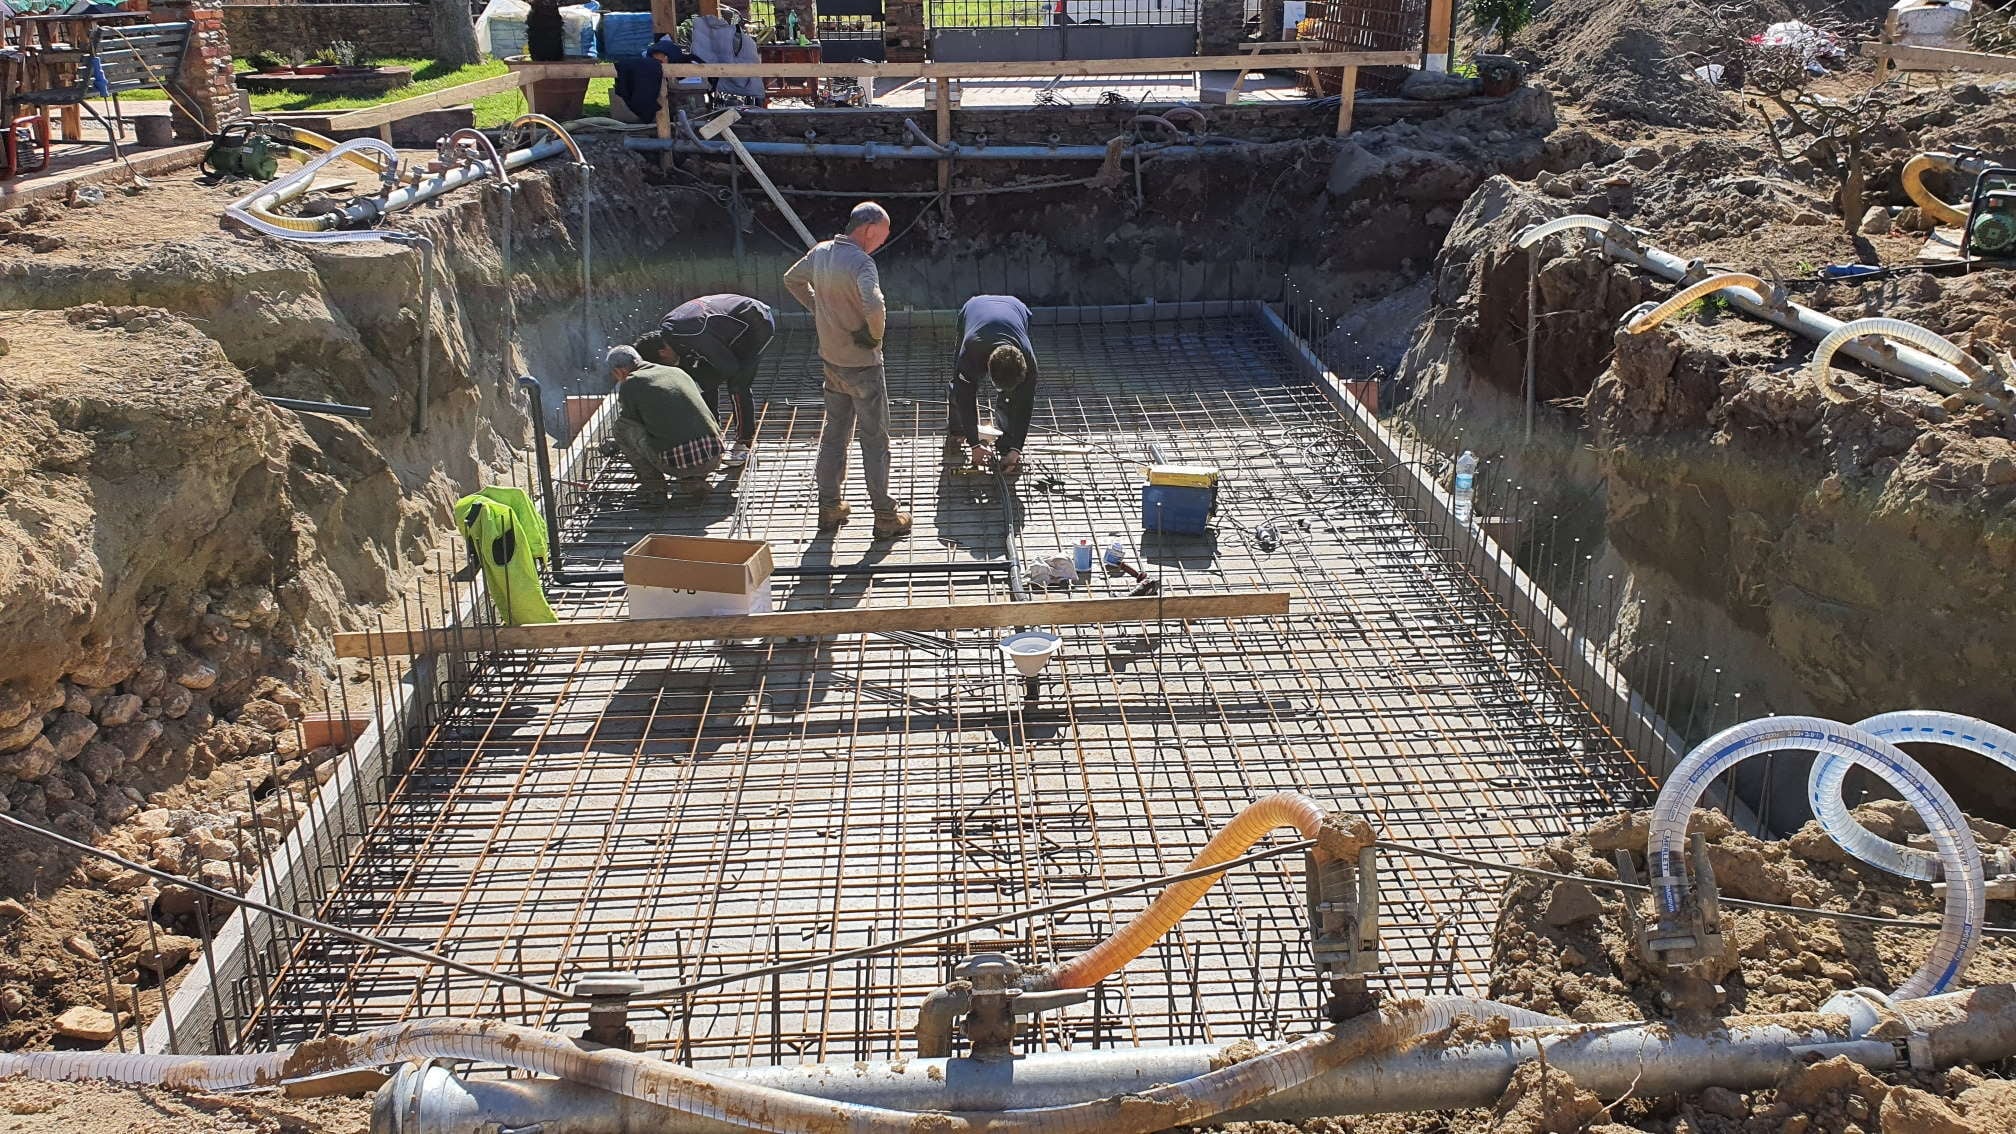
(1031, 650)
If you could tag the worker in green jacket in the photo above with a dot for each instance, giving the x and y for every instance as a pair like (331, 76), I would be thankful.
(664, 427)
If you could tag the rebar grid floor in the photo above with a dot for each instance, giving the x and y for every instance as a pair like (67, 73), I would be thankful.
(692, 811)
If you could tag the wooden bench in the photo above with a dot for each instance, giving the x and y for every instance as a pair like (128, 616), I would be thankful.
(129, 58)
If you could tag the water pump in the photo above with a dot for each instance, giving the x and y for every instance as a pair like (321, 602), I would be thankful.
(1991, 223)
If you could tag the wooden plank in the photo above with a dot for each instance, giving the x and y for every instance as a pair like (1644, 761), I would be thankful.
(1347, 98)
(663, 123)
(1904, 57)
(1167, 65)
(1441, 23)
(944, 93)
(664, 17)
(372, 117)
(809, 623)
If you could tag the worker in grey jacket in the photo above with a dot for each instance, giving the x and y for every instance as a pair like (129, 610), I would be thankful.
(837, 282)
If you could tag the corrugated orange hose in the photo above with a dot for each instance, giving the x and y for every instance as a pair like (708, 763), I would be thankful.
(1338, 836)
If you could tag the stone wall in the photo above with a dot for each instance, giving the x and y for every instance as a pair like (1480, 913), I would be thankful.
(1221, 24)
(381, 30)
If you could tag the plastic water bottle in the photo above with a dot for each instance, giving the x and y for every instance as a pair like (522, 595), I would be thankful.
(1465, 487)
(1116, 551)
(1081, 556)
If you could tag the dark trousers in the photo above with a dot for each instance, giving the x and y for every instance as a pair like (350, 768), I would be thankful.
(743, 401)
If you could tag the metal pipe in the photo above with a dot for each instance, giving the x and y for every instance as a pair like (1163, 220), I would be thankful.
(365, 212)
(1612, 1060)
(426, 246)
(938, 148)
(587, 264)
(841, 150)
(1620, 243)
(327, 409)
(548, 503)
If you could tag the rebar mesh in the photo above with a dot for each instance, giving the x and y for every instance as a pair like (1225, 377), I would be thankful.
(693, 811)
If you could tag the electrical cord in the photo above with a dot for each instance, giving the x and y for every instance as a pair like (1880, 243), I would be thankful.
(1637, 888)
(676, 990)
(826, 959)
(274, 911)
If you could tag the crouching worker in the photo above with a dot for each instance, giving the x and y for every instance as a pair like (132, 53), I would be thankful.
(719, 339)
(994, 345)
(663, 426)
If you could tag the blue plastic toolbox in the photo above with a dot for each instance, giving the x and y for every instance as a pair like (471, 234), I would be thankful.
(1177, 510)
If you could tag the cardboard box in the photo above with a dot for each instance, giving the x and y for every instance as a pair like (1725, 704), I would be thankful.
(675, 576)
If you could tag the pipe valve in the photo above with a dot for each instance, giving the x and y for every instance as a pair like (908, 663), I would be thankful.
(1684, 940)
(985, 997)
(1344, 914)
(609, 995)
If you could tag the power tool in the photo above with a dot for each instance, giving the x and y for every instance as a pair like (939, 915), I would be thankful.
(1991, 221)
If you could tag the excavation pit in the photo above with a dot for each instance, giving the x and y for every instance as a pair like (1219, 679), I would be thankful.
(690, 812)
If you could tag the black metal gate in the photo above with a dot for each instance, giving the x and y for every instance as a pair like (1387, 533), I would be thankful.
(1027, 31)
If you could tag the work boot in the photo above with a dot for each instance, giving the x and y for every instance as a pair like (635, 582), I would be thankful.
(955, 452)
(739, 454)
(892, 525)
(832, 516)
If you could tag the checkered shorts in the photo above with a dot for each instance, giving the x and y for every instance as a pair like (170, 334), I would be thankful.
(701, 452)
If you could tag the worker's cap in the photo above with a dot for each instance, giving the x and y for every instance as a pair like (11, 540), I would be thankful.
(623, 358)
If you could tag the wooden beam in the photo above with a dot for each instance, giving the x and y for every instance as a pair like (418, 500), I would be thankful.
(1441, 23)
(1904, 57)
(372, 117)
(663, 122)
(664, 17)
(944, 92)
(809, 623)
(1347, 97)
(1065, 68)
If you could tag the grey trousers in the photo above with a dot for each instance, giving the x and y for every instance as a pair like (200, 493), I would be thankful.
(857, 398)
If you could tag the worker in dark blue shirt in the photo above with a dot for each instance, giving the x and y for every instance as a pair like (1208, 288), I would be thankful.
(718, 339)
(993, 345)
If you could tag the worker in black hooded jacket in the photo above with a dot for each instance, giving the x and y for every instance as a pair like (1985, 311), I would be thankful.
(719, 339)
(993, 345)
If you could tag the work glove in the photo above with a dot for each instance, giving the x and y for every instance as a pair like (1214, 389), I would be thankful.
(1011, 462)
(864, 340)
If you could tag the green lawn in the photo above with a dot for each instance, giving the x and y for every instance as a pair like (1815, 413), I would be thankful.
(429, 75)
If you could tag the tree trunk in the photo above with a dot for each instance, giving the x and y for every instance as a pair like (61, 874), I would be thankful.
(454, 33)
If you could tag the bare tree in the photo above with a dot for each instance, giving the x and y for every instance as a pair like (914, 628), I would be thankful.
(1829, 132)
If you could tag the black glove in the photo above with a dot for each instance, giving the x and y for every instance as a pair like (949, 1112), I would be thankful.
(866, 341)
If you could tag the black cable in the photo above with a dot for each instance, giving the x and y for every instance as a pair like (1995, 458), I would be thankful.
(1638, 888)
(275, 911)
(928, 936)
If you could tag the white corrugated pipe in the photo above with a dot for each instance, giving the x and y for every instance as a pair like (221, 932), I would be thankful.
(1959, 856)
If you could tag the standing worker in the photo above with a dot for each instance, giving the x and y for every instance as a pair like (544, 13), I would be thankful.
(718, 340)
(837, 282)
(993, 344)
(662, 427)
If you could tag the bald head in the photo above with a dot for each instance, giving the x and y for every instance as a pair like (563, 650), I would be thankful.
(868, 225)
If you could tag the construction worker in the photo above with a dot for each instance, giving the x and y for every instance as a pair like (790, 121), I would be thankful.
(837, 282)
(718, 339)
(993, 344)
(663, 428)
